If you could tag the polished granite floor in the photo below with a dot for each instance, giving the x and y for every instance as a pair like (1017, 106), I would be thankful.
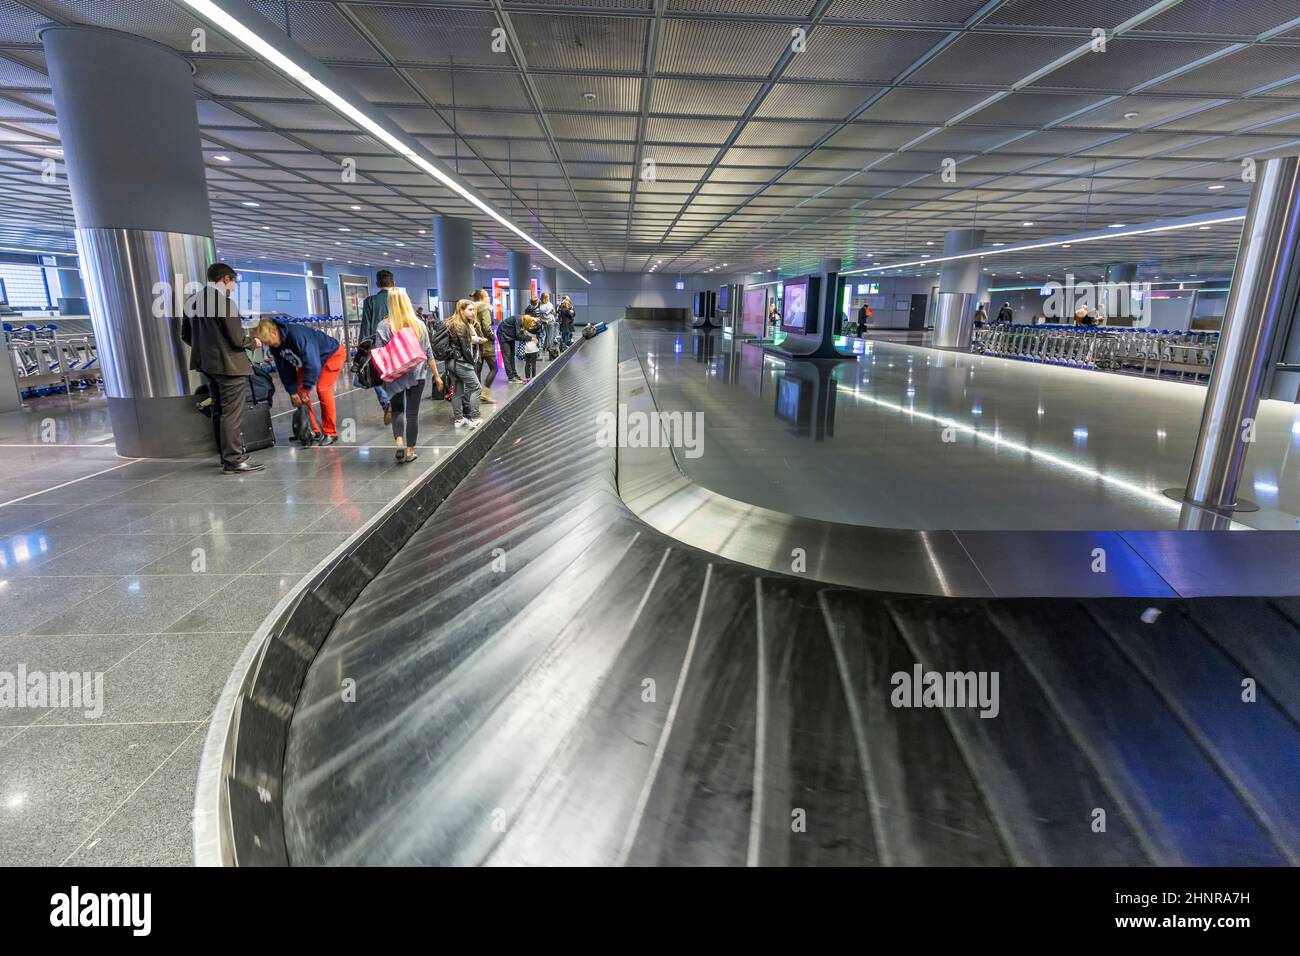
(1031, 447)
(155, 573)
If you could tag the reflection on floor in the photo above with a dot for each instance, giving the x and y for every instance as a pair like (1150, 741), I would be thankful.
(912, 437)
(155, 573)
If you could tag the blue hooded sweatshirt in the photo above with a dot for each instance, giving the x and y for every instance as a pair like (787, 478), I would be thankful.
(302, 347)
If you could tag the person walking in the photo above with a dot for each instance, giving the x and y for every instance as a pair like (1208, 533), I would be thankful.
(485, 364)
(460, 366)
(566, 316)
(1005, 314)
(218, 344)
(307, 359)
(373, 311)
(405, 392)
(508, 333)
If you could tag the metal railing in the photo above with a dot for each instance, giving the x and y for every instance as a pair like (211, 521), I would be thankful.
(1153, 352)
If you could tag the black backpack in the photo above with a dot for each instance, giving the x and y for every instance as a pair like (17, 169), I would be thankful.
(363, 368)
(439, 338)
(303, 432)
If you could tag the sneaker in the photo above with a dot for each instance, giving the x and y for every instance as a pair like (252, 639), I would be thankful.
(388, 415)
(330, 440)
(474, 422)
(461, 421)
(487, 399)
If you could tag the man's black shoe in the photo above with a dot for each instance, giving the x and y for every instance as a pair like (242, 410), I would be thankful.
(243, 468)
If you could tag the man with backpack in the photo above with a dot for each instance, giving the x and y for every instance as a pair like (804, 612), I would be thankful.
(373, 311)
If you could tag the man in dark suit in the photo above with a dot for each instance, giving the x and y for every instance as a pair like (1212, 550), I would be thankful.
(217, 341)
(373, 311)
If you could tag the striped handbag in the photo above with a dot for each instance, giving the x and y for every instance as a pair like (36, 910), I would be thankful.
(398, 356)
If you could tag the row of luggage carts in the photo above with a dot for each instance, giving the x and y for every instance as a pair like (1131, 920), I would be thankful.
(49, 362)
(1155, 352)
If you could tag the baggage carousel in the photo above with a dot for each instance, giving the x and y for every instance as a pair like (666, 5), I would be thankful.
(542, 657)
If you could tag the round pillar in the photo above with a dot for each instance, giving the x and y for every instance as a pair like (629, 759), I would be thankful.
(520, 279)
(131, 147)
(317, 300)
(548, 282)
(453, 257)
(1262, 298)
(959, 284)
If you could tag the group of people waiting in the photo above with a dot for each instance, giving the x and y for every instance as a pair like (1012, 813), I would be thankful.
(459, 355)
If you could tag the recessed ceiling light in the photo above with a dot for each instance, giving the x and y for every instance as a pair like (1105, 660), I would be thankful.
(222, 159)
(589, 96)
(356, 208)
(344, 229)
(930, 243)
(250, 203)
(266, 227)
(1202, 228)
(1026, 224)
(1065, 246)
(1117, 225)
(487, 255)
(999, 243)
(421, 232)
(1217, 186)
(1131, 114)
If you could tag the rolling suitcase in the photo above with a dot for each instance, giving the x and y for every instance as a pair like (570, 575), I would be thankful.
(258, 431)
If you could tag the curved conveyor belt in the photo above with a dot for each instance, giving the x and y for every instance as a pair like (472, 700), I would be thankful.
(540, 677)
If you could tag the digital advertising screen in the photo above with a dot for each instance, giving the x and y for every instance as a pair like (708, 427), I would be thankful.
(753, 314)
(724, 294)
(794, 311)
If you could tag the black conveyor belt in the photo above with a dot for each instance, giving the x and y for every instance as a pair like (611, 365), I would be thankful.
(541, 678)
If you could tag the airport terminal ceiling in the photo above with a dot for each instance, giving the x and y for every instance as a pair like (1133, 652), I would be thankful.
(676, 135)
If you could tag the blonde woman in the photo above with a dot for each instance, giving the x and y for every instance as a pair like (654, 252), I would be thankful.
(460, 365)
(566, 315)
(404, 393)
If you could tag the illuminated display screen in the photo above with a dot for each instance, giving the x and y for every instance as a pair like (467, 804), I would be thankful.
(794, 315)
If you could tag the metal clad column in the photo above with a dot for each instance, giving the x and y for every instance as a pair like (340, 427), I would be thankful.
(1120, 273)
(1262, 298)
(453, 252)
(520, 277)
(548, 282)
(959, 283)
(144, 230)
(317, 300)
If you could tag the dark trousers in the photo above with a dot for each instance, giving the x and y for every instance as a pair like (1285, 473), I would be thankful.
(406, 413)
(508, 356)
(486, 366)
(229, 393)
(530, 364)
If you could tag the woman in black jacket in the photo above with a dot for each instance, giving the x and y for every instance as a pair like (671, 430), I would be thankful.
(565, 314)
(460, 366)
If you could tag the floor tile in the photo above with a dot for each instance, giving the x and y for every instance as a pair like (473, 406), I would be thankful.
(241, 605)
(153, 827)
(142, 604)
(60, 783)
(220, 553)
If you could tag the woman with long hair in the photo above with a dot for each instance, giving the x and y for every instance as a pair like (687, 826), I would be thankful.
(460, 365)
(404, 393)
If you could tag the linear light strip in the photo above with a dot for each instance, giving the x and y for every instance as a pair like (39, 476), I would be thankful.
(1052, 244)
(210, 11)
